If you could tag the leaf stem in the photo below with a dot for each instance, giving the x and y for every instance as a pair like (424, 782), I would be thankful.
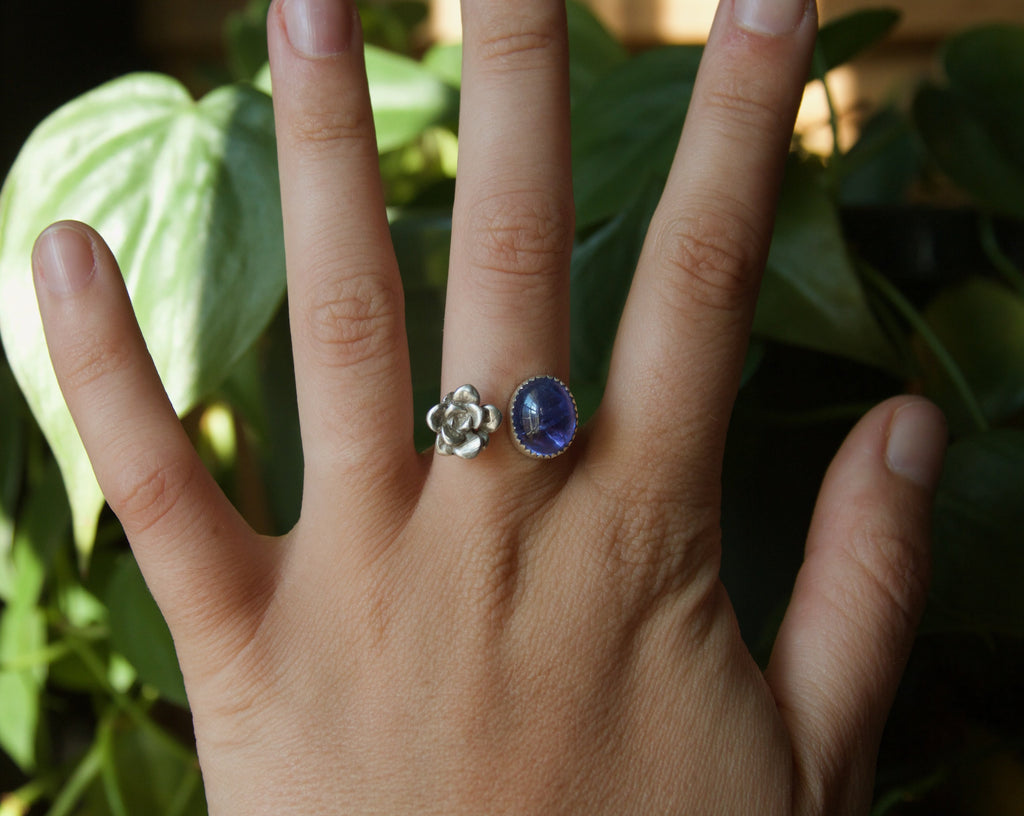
(1003, 264)
(920, 325)
(136, 712)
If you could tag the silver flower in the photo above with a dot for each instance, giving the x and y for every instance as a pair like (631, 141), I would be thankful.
(462, 424)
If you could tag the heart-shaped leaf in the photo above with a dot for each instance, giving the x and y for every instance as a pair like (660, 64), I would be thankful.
(625, 129)
(974, 125)
(810, 295)
(186, 194)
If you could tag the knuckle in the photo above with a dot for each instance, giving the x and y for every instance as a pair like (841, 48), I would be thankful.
(93, 360)
(144, 492)
(892, 565)
(521, 235)
(351, 320)
(709, 260)
(324, 130)
(748, 106)
(516, 45)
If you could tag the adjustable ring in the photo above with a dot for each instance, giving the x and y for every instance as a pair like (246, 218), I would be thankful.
(463, 426)
(543, 417)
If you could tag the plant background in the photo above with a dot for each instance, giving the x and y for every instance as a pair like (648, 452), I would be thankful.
(870, 290)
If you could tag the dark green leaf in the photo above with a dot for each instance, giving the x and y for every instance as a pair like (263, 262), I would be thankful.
(422, 240)
(974, 127)
(968, 151)
(593, 51)
(602, 271)
(981, 325)
(138, 631)
(840, 40)
(883, 165)
(626, 127)
(245, 38)
(810, 295)
(187, 195)
(978, 550)
(985, 67)
(149, 774)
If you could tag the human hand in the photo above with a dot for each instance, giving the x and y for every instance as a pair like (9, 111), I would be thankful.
(509, 635)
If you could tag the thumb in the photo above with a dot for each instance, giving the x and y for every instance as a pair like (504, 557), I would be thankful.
(849, 627)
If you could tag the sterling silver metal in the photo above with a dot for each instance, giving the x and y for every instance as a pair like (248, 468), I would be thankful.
(463, 426)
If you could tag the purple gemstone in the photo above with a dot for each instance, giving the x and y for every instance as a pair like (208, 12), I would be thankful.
(543, 417)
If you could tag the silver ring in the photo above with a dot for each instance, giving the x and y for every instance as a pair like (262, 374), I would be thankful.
(543, 417)
(463, 426)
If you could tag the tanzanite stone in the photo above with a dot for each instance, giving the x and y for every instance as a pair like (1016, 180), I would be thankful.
(543, 417)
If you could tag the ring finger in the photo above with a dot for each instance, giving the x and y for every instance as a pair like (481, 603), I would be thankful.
(508, 286)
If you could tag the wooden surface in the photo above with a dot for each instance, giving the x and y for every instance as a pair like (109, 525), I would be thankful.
(644, 22)
(183, 35)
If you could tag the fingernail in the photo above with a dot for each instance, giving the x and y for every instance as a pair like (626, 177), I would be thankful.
(64, 259)
(771, 17)
(319, 28)
(917, 443)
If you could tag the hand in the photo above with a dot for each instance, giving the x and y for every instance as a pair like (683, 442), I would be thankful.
(509, 635)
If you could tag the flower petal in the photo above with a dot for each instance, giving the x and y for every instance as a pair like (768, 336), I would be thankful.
(471, 447)
(443, 447)
(466, 394)
(452, 436)
(492, 419)
(435, 417)
(475, 414)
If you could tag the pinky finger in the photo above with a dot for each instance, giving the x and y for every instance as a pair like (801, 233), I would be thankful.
(187, 537)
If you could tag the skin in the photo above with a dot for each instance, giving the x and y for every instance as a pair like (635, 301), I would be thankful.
(505, 635)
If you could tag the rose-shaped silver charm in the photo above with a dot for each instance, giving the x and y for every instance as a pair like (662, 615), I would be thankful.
(462, 424)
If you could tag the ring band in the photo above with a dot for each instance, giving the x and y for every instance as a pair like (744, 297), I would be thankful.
(543, 417)
(463, 426)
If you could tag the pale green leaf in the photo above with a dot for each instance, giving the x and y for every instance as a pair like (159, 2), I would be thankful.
(22, 635)
(187, 196)
(408, 97)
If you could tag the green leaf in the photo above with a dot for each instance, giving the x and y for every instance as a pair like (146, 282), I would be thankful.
(593, 51)
(138, 631)
(187, 195)
(22, 635)
(41, 531)
(626, 127)
(601, 273)
(151, 777)
(811, 295)
(842, 39)
(422, 240)
(884, 164)
(981, 325)
(978, 555)
(245, 39)
(974, 127)
(985, 66)
(445, 61)
(407, 96)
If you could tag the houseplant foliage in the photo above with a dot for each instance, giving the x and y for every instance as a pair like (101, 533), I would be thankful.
(93, 714)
